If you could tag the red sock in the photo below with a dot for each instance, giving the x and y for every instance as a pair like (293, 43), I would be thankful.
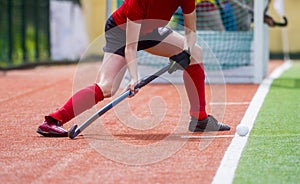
(194, 78)
(78, 103)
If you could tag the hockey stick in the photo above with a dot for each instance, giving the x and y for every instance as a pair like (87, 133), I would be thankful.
(272, 23)
(75, 130)
(281, 24)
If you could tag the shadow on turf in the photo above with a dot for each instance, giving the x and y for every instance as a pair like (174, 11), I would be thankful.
(148, 137)
(141, 137)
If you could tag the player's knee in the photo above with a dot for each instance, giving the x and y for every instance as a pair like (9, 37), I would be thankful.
(107, 89)
(196, 55)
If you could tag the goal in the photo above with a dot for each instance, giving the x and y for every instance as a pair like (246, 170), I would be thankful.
(233, 38)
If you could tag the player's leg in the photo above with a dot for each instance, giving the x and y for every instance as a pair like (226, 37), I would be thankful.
(194, 81)
(111, 74)
(193, 75)
(112, 71)
(173, 44)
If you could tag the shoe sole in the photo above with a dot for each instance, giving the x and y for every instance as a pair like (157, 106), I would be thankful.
(207, 130)
(51, 134)
(194, 128)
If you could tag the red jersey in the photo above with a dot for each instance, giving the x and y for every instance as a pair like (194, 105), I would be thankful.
(151, 13)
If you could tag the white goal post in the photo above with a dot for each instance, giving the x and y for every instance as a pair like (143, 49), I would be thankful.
(261, 42)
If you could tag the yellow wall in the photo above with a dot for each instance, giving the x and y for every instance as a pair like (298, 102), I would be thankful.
(94, 12)
(292, 10)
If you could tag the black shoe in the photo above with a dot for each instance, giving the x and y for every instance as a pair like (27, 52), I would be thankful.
(206, 125)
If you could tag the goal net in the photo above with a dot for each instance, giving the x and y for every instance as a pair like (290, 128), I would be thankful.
(233, 38)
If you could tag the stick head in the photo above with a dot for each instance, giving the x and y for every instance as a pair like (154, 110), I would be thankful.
(72, 132)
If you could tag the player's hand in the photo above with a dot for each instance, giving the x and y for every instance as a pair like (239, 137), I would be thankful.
(180, 61)
(131, 87)
(269, 20)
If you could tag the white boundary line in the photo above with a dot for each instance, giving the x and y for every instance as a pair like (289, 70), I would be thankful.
(229, 163)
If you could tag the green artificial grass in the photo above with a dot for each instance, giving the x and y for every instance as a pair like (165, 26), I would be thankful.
(272, 154)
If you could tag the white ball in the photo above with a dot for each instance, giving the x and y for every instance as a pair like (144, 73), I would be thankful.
(242, 130)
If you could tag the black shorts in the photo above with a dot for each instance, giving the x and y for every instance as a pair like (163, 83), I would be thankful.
(116, 38)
